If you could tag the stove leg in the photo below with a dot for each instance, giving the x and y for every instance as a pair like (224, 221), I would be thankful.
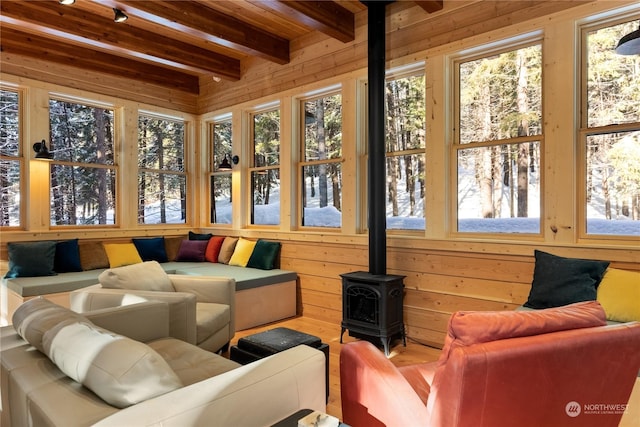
(342, 333)
(386, 342)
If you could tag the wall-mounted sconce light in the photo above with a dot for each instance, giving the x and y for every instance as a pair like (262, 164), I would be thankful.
(225, 165)
(42, 152)
(629, 44)
(119, 16)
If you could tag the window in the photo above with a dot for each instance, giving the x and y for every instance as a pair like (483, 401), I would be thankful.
(321, 160)
(405, 150)
(265, 170)
(162, 179)
(10, 159)
(497, 146)
(221, 209)
(610, 133)
(83, 172)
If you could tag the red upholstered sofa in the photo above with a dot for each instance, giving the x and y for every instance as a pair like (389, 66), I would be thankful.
(555, 367)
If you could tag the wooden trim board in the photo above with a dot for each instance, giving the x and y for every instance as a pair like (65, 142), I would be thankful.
(265, 304)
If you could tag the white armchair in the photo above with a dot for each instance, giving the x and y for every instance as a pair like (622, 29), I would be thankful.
(201, 308)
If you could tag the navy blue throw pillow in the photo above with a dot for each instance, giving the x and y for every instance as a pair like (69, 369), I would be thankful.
(67, 258)
(151, 249)
(199, 236)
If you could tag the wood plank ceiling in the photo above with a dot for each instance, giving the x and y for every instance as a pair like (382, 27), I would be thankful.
(175, 42)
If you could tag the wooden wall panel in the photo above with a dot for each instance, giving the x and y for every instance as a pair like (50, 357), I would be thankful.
(441, 276)
(410, 30)
(437, 283)
(102, 83)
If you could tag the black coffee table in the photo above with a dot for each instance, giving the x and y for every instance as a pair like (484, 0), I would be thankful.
(263, 344)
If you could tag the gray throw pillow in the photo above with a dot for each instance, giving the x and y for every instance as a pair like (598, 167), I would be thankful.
(146, 276)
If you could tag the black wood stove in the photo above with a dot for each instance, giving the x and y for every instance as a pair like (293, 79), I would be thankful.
(372, 307)
(372, 301)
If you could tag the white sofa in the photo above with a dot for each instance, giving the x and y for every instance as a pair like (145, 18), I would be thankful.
(201, 308)
(211, 390)
(262, 296)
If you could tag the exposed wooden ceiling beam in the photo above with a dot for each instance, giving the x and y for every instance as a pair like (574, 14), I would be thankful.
(80, 28)
(17, 42)
(325, 16)
(210, 25)
(430, 6)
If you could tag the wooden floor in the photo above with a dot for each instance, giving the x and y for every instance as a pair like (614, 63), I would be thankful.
(413, 353)
(330, 333)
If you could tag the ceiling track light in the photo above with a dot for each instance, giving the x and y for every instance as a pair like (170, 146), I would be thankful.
(119, 16)
(67, 2)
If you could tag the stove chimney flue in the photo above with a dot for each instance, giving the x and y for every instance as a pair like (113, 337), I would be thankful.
(376, 143)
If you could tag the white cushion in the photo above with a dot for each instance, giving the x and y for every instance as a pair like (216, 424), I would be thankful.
(146, 276)
(190, 363)
(36, 316)
(121, 371)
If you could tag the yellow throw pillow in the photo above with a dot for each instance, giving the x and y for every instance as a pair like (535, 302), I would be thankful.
(120, 254)
(242, 252)
(619, 295)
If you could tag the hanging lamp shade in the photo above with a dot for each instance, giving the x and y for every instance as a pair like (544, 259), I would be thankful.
(224, 164)
(629, 44)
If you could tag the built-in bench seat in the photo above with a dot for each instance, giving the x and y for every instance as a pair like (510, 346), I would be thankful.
(262, 296)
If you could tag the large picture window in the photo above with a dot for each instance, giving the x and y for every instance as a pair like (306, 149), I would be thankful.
(10, 159)
(221, 207)
(405, 150)
(265, 169)
(610, 133)
(162, 178)
(83, 171)
(321, 161)
(498, 136)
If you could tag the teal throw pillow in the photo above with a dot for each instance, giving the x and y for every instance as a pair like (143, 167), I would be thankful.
(67, 258)
(31, 259)
(264, 255)
(151, 249)
(559, 281)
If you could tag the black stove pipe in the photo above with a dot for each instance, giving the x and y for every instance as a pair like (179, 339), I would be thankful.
(376, 171)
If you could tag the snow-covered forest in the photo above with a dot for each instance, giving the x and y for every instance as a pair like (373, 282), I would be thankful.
(498, 149)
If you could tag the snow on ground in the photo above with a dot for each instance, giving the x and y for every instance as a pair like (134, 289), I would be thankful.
(469, 220)
(331, 217)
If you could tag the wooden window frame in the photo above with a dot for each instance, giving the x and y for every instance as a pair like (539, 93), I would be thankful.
(302, 163)
(479, 52)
